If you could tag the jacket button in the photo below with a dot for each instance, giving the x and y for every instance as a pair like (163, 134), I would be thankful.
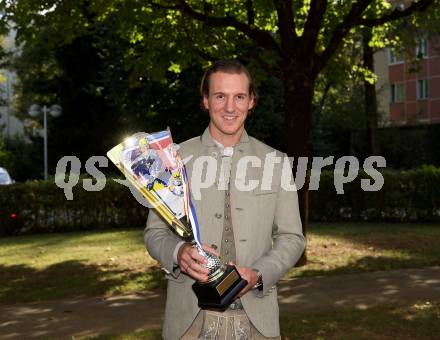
(217, 215)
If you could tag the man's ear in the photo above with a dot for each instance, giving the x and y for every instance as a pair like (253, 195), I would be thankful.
(205, 103)
(251, 102)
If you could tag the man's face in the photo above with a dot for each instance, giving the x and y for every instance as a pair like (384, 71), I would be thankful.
(228, 104)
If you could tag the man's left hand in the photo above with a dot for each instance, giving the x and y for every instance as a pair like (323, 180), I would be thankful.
(250, 276)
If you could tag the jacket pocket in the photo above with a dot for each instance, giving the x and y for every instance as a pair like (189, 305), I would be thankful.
(179, 279)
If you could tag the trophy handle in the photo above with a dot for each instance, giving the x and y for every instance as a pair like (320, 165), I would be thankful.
(182, 229)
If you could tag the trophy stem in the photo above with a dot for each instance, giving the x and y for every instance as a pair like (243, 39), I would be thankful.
(200, 249)
(215, 266)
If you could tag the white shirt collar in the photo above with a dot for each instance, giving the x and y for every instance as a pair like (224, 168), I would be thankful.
(227, 151)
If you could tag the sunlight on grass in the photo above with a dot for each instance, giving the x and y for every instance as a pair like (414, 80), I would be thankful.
(54, 266)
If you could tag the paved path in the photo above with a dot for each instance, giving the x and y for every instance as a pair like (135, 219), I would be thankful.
(128, 313)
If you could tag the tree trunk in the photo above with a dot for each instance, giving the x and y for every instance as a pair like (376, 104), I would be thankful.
(370, 95)
(298, 96)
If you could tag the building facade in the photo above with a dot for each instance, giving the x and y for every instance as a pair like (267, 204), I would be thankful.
(408, 87)
(10, 125)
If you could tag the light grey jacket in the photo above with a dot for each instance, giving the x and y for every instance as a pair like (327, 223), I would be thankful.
(266, 225)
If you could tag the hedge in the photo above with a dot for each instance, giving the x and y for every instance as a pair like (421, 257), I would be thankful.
(40, 206)
(406, 196)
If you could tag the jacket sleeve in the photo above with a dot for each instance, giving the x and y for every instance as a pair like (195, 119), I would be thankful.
(161, 243)
(288, 240)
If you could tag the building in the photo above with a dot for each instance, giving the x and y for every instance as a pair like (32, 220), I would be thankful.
(409, 89)
(10, 125)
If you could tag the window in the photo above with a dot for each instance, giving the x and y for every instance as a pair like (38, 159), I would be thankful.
(394, 57)
(422, 48)
(422, 89)
(397, 93)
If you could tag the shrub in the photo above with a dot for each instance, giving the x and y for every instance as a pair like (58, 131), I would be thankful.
(411, 195)
(42, 207)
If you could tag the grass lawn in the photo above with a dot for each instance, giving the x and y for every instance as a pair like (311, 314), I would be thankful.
(54, 266)
(336, 248)
(418, 321)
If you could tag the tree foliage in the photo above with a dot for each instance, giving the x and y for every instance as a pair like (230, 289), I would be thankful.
(5, 155)
(127, 49)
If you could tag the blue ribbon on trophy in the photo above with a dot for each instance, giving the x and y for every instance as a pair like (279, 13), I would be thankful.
(189, 208)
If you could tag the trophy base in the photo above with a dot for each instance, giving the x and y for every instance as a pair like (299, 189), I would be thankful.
(219, 294)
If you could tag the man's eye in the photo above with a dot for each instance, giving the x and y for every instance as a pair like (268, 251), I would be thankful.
(219, 96)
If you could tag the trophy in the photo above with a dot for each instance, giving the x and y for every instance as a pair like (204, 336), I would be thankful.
(152, 164)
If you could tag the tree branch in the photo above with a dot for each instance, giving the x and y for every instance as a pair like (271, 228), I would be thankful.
(203, 54)
(262, 38)
(354, 18)
(256, 55)
(160, 6)
(286, 25)
(341, 31)
(418, 6)
(314, 22)
(250, 13)
(193, 47)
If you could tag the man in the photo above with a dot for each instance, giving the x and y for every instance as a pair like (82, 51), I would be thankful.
(258, 229)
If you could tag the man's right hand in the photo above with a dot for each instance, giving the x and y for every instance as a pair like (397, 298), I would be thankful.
(192, 263)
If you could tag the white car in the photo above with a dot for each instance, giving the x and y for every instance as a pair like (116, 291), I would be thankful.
(5, 179)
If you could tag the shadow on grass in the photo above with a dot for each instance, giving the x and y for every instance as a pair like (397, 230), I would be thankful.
(133, 236)
(144, 335)
(370, 263)
(387, 322)
(21, 283)
(339, 247)
(419, 321)
(386, 235)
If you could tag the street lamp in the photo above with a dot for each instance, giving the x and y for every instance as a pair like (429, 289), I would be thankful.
(54, 111)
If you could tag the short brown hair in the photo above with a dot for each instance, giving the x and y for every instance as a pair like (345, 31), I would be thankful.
(230, 66)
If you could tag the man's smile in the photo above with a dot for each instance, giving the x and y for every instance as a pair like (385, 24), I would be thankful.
(230, 118)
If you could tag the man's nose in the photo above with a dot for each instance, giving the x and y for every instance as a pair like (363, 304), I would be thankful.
(230, 104)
